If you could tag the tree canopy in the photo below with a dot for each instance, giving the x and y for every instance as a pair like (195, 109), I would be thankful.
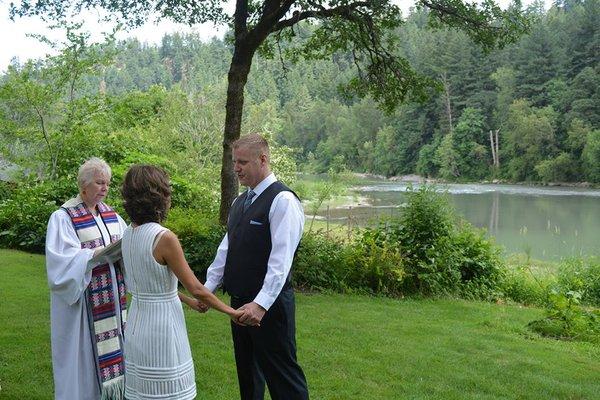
(363, 29)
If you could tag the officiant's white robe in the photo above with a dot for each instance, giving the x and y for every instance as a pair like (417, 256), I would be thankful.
(69, 274)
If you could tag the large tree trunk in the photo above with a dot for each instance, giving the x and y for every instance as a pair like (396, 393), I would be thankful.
(246, 43)
(237, 77)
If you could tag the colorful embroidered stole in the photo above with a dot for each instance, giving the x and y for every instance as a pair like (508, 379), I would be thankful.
(103, 311)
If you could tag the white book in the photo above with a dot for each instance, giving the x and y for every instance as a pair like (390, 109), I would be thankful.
(109, 254)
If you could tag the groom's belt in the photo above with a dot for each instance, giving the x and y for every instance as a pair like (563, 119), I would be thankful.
(249, 298)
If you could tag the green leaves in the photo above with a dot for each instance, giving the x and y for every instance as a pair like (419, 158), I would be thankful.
(566, 319)
(484, 22)
(440, 255)
(132, 13)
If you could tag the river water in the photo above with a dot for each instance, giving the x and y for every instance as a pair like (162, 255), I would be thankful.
(549, 223)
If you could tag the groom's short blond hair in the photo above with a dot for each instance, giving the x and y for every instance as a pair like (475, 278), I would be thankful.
(255, 142)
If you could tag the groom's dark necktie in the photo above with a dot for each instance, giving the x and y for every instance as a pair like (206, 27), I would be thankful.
(248, 200)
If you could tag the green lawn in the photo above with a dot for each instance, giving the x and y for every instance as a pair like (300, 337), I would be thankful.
(351, 347)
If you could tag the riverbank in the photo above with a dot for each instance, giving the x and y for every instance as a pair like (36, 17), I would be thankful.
(414, 178)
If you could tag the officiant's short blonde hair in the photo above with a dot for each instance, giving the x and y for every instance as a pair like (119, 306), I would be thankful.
(90, 170)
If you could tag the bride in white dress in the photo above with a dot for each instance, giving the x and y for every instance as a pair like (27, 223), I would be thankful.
(158, 360)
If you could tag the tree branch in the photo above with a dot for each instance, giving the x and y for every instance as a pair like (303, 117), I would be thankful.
(272, 12)
(344, 11)
(240, 19)
(449, 11)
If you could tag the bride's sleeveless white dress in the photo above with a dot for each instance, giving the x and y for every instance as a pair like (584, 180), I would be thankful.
(158, 360)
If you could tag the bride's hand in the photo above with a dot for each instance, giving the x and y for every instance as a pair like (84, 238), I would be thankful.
(199, 306)
(193, 303)
(235, 316)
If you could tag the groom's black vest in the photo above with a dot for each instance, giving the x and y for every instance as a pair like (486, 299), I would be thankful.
(249, 238)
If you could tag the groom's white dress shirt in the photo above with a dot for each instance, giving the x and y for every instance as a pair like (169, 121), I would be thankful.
(286, 219)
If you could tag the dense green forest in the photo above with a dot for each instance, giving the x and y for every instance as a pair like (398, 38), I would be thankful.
(528, 112)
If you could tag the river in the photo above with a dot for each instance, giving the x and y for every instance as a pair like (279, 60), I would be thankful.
(548, 223)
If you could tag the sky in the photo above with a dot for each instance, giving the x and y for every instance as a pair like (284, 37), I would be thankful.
(16, 43)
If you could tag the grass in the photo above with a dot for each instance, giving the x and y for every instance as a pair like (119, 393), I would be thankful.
(540, 268)
(351, 347)
(333, 230)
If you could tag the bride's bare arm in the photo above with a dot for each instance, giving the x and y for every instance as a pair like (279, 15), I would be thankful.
(168, 251)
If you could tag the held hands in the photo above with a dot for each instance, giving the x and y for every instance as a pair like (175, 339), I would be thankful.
(199, 306)
(235, 315)
(252, 314)
(194, 304)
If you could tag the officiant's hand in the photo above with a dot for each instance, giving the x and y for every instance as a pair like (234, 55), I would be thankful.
(253, 314)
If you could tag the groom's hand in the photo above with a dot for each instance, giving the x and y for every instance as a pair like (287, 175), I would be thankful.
(253, 314)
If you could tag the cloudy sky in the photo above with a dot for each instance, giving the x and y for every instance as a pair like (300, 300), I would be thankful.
(16, 43)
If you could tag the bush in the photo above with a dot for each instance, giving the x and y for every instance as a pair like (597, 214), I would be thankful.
(200, 235)
(185, 192)
(442, 255)
(424, 252)
(558, 169)
(472, 260)
(24, 215)
(375, 266)
(25, 211)
(591, 156)
(6, 189)
(522, 286)
(319, 264)
(583, 276)
(426, 219)
(363, 265)
(566, 319)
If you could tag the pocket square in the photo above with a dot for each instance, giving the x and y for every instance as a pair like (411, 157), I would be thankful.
(252, 222)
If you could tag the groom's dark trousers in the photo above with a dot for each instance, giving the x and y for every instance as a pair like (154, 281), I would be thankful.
(268, 353)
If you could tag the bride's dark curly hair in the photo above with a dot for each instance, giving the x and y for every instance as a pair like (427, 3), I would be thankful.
(146, 194)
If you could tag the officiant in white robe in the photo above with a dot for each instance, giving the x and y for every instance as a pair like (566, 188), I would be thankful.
(74, 354)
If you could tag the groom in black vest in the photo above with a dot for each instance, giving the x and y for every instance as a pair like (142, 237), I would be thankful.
(253, 264)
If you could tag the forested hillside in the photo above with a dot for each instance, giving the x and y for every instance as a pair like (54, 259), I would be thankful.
(528, 112)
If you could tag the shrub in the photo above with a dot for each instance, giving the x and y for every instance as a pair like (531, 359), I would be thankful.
(185, 192)
(374, 266)
(583, 276)
(423, 252)
(591, 156)
(24, 215)
(472, 261)
(426, 219)
(319, 263)
(561, 168)
(521, 285)
(566, 319)
(6, 189)
(200, 235)
(441, 255)
(364, 265)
